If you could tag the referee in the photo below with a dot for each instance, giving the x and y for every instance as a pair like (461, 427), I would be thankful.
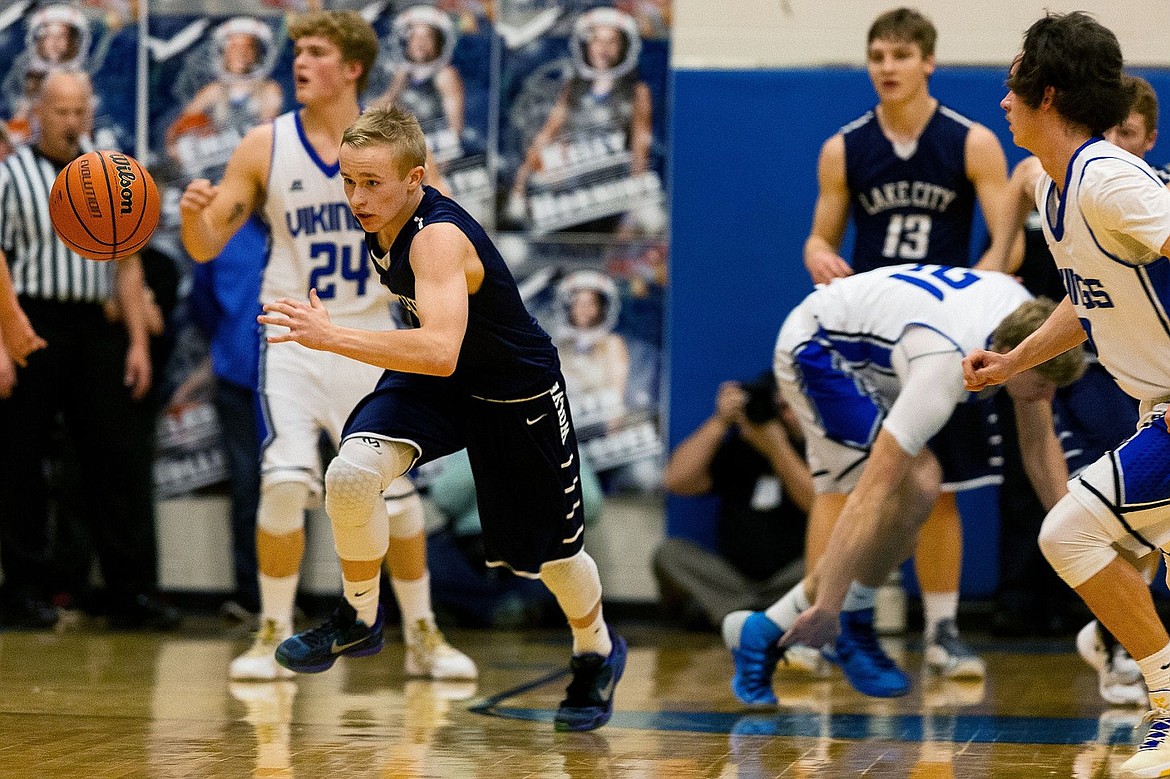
(92, 374)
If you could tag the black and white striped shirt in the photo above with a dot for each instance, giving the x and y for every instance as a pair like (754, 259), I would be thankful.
(41, 266)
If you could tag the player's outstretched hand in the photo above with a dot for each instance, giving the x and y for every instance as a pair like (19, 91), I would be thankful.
(814, 627)
(307, 322)
(982, 368)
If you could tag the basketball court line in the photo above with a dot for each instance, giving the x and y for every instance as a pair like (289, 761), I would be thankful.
(962, 728)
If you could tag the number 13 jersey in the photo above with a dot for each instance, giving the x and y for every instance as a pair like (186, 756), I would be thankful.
(315, 241)
(911, 203)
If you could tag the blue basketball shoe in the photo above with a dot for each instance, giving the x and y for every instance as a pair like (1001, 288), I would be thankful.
(865, 664)
(317, 649)
(588, 702)
(752, 638)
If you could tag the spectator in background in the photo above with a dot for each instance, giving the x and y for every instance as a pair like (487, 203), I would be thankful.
(226, 302)
(479, 596)
(749, 454)
(73, 541)
(93, 372)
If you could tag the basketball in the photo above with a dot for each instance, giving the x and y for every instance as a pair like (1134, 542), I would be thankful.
(104, 205)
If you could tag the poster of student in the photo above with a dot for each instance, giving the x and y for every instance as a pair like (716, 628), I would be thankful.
(212, 79)
(436, 63)
(98, 38)
(602, 304)
(582, 120)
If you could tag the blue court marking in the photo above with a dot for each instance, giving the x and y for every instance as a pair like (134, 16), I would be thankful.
(488, 705)
(961, 728)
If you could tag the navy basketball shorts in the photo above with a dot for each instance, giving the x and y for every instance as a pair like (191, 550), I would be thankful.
(523, 456)
(969, 447)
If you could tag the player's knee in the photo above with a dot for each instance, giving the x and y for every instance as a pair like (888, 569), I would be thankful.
(351, 492)
(1074, 542)
(575, 583)
(404, 508)
(357, 475)
(282, 506)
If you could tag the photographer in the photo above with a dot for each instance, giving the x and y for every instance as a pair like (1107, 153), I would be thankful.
(748, 454)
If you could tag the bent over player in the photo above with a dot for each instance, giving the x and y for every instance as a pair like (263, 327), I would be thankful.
(476, 371)
(872, 364)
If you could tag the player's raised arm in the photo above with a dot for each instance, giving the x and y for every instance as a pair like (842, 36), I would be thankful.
(829, 216)
(211, 214)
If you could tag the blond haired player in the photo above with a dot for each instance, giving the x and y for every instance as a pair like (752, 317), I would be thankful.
(288, 172)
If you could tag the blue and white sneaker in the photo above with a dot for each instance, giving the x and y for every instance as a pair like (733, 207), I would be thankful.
(865, 664)
(588, 702)
(317, 649)
(752, 638)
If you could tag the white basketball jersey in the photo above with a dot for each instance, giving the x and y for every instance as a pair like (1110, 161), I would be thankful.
(865, 315)
(316, 242)
(1105, 232)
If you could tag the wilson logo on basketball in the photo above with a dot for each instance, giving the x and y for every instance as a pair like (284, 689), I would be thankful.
(91, 202)
(126, 178)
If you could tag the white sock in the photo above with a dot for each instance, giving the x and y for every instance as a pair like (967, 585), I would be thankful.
(414, 599)
(936, 607)
(592, 638)
(363, 596)
(785, 611)
(1156, 669)
(859, 598)
(278, 594)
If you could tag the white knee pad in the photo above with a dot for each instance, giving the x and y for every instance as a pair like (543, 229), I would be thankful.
(574, 582)
(405, 509)
(355, 479)
(282, 507)
(1076, 543)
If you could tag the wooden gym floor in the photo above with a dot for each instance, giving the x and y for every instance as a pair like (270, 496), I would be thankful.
(84, 702)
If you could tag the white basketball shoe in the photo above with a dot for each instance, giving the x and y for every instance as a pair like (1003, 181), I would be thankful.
(1119, 678)
(428, 654)
(259, 664)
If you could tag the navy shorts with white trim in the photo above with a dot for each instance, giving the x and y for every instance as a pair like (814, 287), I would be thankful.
(523, 456)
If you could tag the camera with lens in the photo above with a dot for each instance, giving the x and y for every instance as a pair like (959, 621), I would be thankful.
(761, 403)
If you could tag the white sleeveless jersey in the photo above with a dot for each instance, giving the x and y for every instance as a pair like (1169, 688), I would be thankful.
(316, 242)
(1105, 232)
(863, 316)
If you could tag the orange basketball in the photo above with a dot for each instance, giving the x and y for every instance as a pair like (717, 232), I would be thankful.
(104, 205)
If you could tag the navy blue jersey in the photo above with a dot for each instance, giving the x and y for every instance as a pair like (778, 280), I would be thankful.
(914, 204)
(505, 354)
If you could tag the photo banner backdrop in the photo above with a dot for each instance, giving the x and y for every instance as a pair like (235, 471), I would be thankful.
(582, 106)
(36, 37)
(546, 120)
(211, 80)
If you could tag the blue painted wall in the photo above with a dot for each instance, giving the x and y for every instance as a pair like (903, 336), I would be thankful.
(743, 183)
